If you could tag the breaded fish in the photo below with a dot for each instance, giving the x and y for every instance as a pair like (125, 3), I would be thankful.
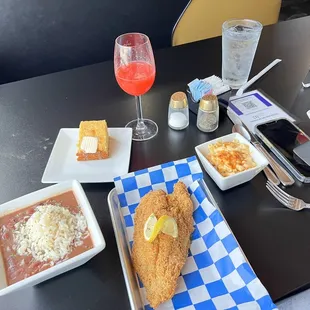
(159, 263)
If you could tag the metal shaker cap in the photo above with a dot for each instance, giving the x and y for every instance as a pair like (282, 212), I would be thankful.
(178, 100)
(208, 103)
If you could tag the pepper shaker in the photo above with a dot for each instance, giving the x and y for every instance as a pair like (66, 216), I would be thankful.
(178, 115)
(208, 113)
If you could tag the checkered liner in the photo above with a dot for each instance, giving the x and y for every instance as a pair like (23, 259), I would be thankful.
(216, 274)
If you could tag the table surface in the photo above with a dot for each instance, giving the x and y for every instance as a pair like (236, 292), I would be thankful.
(273, 238)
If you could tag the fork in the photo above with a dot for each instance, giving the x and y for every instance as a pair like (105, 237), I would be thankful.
(287, 200)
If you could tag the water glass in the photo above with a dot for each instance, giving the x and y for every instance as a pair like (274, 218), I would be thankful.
(239, 43)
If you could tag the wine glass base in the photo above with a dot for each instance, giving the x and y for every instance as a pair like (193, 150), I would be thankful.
(142, 132)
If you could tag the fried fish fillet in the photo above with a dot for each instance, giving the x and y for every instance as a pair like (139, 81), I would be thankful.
(159, 263)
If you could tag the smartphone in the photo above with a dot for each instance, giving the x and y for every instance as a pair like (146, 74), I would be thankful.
(303, 152)
(282, 137)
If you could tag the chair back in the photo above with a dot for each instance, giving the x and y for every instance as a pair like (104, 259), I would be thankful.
(203, 19)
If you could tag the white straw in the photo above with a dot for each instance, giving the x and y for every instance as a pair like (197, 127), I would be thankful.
(256, 77)
(305, 85)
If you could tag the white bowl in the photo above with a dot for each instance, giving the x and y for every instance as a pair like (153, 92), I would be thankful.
(225, 183)
(94, 229)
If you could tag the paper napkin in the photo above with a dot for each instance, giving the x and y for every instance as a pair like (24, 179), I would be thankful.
(216, 274)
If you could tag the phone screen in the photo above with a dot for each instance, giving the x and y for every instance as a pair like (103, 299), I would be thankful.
(285, 137)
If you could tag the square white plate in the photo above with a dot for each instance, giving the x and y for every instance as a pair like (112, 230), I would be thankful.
(63, 166)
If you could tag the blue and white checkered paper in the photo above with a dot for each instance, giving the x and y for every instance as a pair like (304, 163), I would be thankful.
(216, 274)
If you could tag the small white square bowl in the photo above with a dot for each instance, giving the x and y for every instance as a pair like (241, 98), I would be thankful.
(225, 183)
(76, 261)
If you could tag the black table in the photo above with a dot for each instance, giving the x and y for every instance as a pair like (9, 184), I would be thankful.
(274, 239)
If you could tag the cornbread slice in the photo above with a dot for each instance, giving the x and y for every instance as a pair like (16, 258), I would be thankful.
(95, 129)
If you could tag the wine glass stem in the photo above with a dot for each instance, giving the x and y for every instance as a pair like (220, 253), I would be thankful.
(140, 123)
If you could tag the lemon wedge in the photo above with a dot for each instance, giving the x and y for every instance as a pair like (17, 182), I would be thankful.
(149, 227)
(165, 224)
(170, 227)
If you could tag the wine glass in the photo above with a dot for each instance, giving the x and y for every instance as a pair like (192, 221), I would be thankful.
(134, 68)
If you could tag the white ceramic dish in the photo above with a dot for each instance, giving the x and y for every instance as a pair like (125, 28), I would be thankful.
(63, 166)
(94, 229)
(225, 183)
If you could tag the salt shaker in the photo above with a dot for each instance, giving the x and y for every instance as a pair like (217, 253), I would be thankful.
(178, 117)
(208, 113)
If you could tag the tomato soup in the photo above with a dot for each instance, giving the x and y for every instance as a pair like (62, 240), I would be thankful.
(19, 267)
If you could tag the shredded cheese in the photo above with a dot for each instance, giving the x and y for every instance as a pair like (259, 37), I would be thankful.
(50, 233)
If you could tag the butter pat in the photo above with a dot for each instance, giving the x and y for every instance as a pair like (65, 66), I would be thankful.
(89, 145)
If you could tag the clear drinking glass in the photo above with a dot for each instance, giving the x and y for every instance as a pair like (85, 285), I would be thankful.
(134, 68)
(239, 42)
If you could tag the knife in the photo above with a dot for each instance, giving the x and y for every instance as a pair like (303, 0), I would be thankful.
(284, 177)
(268, 172)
